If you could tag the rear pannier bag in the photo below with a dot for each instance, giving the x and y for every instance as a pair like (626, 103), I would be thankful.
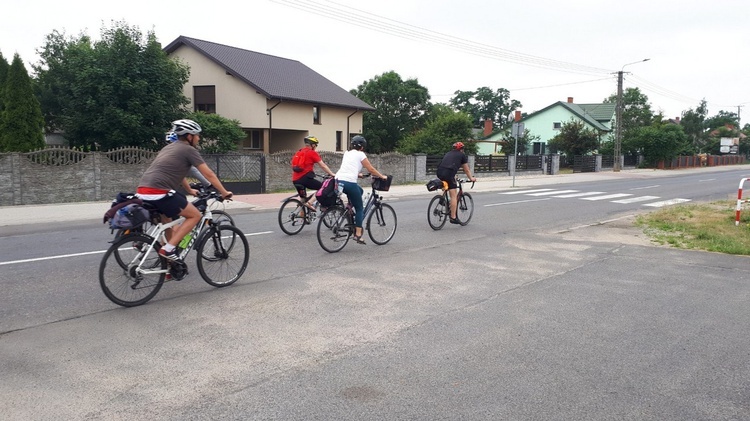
(130, 216)
(327, 194)
(434, 184)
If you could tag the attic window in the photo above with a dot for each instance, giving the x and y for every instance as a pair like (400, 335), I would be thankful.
(316, 114)
(204, 99)
(557, 125)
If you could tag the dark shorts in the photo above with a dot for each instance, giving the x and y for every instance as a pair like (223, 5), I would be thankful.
(170, 205)
(449, 176)
(307, 181)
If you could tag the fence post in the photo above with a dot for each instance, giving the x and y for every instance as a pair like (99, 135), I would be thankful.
(420, 166)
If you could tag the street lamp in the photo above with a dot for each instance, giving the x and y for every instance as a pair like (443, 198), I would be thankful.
(618, 127)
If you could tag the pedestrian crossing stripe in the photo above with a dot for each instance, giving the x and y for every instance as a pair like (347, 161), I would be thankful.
(623, 198)
(666, 203)
(526, 191)
(607, 196)
(635, 199)
(549, 193)
(581, 194)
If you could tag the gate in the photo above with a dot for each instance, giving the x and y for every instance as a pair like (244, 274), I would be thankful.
(239, 173)
(584, 163)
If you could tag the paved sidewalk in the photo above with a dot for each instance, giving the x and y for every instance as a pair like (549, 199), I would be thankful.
(80, 211)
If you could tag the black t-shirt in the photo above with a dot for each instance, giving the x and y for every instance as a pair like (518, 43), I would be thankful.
(453, 160)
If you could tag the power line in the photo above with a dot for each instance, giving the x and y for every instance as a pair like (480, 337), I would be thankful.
(399, 29)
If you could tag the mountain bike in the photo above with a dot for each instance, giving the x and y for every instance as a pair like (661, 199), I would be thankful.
(294, 213)
(439, 210)
(132, 272)
(336, 225)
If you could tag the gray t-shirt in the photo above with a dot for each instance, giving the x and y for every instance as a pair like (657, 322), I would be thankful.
(171, 166)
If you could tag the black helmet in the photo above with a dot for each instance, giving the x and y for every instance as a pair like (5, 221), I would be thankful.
(359, 142)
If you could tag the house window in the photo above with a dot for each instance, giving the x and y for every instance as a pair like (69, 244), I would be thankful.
(316, 114)
(253, 140)
(204, 98)
(557, 125)
(338, 141)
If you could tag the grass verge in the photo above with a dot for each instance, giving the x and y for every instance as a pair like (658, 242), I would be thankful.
(707, 226)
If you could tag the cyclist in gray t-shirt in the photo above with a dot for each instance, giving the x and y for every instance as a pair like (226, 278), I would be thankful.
(159, 183)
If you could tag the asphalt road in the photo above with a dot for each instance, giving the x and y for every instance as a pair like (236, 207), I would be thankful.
(543, 307)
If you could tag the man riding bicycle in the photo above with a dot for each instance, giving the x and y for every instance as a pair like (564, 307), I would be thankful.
(303, 175)
(159, 183)
(447, 170)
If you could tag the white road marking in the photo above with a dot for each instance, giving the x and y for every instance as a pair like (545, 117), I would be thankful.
(518, 201)
(635, 199)
(608, 196)
(548, 193)
(62, 256)
(666, 203)
(582, 194)
(525, 191)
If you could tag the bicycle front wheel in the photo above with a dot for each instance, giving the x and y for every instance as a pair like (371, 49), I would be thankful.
(223, 254)
(465, 208)
(437, 212)
(334, 229)
(381, 224)
(119, 277)
(292, 216)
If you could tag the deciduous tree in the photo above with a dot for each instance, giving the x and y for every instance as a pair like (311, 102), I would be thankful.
(220, 134)
(444, 127)
(120, 91)
(400, 107)
(484, 104)
(575, 139)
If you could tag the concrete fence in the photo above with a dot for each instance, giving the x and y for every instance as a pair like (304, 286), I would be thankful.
(64, 175)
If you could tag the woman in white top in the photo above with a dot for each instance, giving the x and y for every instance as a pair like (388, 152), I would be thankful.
(351, 166)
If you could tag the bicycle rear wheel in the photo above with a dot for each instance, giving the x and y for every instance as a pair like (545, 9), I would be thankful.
(119, 278)
(381, 224)
(437, 212)
(465, 208)
(334, 229)
(292, 216)
(223, 254)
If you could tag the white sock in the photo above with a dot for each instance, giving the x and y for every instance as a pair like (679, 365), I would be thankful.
(168, 247)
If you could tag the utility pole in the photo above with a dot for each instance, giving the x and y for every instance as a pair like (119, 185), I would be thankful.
(618, 129)
(618, 115)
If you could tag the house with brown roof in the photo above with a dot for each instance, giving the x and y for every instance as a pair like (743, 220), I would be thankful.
(278, 101)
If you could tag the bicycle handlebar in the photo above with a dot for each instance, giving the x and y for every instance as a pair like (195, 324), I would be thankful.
(466, 180)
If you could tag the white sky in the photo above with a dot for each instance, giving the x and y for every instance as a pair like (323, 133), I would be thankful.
(696, 49)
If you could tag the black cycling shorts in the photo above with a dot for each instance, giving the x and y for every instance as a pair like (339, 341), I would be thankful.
(449, 176)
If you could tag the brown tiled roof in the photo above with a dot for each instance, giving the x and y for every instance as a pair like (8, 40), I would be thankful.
(275, 77)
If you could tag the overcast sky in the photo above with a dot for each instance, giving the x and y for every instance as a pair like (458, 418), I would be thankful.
(542, 51)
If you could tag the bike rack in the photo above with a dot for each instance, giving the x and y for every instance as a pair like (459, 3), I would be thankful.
(740, 201)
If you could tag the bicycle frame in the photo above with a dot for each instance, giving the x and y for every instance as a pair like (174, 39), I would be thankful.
(157, 232)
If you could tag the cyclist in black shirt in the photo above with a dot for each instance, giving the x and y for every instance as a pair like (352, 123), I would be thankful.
(447, 170)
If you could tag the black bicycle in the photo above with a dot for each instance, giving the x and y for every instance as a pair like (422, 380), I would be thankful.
(439, 209)
(294, 212)
(336, 225)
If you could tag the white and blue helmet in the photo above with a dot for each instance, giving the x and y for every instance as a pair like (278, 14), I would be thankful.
(183, 127)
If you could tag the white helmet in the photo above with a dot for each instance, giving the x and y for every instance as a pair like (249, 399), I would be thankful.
(183, 127)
